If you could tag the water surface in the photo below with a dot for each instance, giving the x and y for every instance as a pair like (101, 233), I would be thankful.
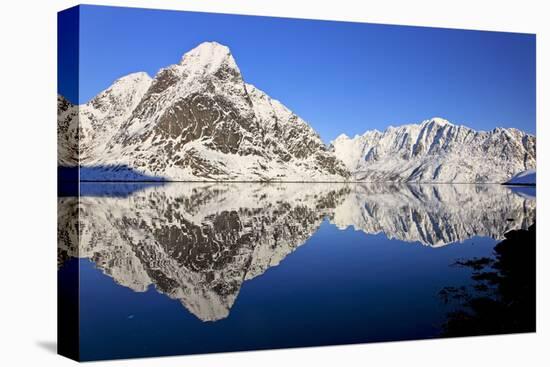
(181, 268)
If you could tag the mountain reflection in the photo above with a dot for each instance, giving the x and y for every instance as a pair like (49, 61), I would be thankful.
(434, 215)
(198, 243)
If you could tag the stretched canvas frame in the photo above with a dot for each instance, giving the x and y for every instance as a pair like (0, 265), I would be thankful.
(203, 215)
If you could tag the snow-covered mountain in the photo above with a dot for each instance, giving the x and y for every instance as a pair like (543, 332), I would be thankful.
(196, 120)
(436, 151)
(198, 242)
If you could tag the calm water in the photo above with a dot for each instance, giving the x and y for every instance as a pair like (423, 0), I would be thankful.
(193, 268)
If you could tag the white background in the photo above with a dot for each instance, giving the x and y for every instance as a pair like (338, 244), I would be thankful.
(28, 191)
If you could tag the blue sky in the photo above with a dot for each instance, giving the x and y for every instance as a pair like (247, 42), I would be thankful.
(340, 77)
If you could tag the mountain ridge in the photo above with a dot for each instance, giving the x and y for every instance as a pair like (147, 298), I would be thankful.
(199, 120)
(436, 150)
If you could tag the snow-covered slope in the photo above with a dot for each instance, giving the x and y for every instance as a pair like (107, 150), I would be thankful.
(67, 133)
(436, 151)
(197, 120)
(527, 177)
(85, 130)
(102, 117)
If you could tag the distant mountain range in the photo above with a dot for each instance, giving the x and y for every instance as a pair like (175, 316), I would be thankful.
(200, 121)
(437, 151)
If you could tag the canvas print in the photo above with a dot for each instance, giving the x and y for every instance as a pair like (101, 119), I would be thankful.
(232, 183)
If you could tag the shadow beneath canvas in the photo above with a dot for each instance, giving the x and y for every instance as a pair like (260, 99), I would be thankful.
(48, 345)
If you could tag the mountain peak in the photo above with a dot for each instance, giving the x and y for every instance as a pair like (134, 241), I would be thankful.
(341, 137)
(208, 57)
(133, 78)
(130, 82)
(126, 90)
(437, 121)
